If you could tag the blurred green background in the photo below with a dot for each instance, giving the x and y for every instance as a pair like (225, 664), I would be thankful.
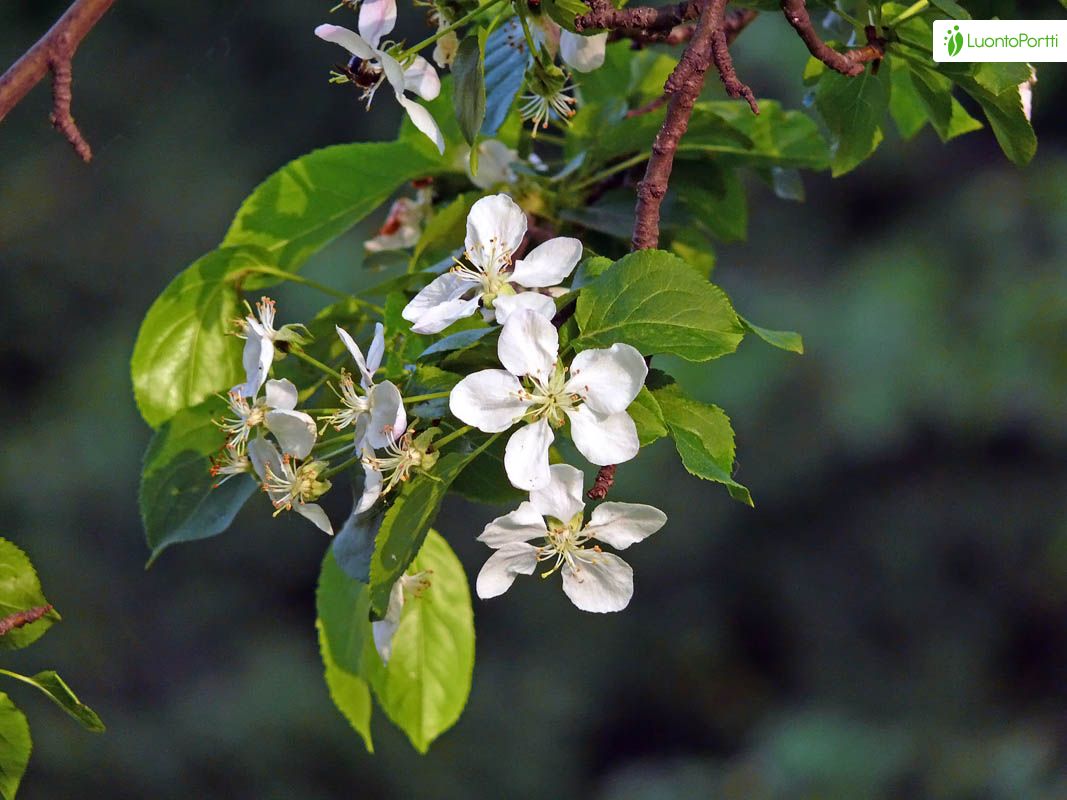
(889, 622)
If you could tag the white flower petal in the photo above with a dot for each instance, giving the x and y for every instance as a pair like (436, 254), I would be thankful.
(376, 351)
(526, 456)
(442, 289)
(394, 73)
(357, 354)
(384, 629)
(388, 420)
(314, 512)
(549, 263)
(372, 483)
(257, 357)
(521, 525)
(584, 53)
(507, 304)
(262, 453)
(494, 164)
(294, 430)
(528, 344)
(281, 394)
(376, 18)
(624, 524)
(608, 380)
(495, 227)
(498, 573)
(604, 583)
(349, 40)
(424, 121)
(603, 439)
(489, 400)
(562, 497)
(421, 79)
(437, 319)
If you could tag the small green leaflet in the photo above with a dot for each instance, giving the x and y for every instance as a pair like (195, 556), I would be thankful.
(20, 590)
(657, 303)
(177, 498)
(783, 340)
(425, 685)
(468, 93)
(15, 746)
(853, 109)
(702, 434)
(62, 695)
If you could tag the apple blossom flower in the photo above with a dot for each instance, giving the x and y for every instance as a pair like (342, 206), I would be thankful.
(259, 334)
(402, 227)
(294, 430)
(290, 487)
(534, 388)
(229, 463)
(378, 414)
(402, 458)
(583, 53)
(592, 579)
(495, 229)
(384, 629)
(494, 164)
(372, 65)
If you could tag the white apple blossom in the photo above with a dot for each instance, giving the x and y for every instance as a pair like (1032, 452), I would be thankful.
(378, 413)
(259, 334)
(592, 579)
(294, 430)
(495, 229)
(382, 473)
(403, 225)
(373, 65)
(536, 389)
(384, 629)
(494, 164)
(583, 53)
(229, 463)
(289, 486)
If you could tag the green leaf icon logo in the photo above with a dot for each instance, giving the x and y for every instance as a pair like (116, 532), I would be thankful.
(954, 41)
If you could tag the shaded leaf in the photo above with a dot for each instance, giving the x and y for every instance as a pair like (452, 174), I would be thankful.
(468, 93)
(63, 696)
(783, 340)
(648, 417)
(15, 746)
(853, 109)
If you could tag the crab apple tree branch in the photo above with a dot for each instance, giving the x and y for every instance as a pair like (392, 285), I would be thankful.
(54, 53)
(851, 62)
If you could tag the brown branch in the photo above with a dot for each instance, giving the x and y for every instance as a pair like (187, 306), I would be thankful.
(605, 479)
(735, 22)
(21, 618)
(54, 52)
(643, 18)
(850, 63)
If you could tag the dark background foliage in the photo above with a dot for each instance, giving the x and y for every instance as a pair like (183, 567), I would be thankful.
(889, 622)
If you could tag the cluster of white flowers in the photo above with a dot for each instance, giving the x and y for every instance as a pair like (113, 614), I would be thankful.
(374, 62)
(536, 390)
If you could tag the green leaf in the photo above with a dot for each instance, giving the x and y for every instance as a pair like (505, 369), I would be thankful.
(343, 607)
(468, 93)
(905, 105)
(657, 303)
(185, 351)
(998, 77)
(703, 436)
(949, 118)
(407, 520)
(62, 695)
(444, 232)
(564, 12)
(783, 340)
(1006, 117)
(694, 248)
(20, 591)
(349, 692)
(716, 198)
(315, 198)
(853, 109)
(177, 499)
(952, 8)
(485, 480)
(648, 417)
(15, 746)
(425, 685)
